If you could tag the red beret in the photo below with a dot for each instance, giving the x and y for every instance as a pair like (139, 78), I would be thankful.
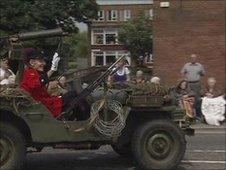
(32, 53)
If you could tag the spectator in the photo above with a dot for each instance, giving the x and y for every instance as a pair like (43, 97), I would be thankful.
(192, 72)
(140, 77)
(7, 77)
(183, 96)
(155, 80)
(213, 104)
(159, 89)
(211, 90)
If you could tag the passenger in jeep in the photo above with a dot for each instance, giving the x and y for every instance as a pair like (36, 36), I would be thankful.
(35, 81)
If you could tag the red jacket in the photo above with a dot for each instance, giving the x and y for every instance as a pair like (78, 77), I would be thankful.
(32, 84)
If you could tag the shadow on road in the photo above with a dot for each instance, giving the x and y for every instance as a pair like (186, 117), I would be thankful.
(84, 160)
(74, 161)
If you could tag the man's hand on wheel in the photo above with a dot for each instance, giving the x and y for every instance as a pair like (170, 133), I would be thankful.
(53, 84)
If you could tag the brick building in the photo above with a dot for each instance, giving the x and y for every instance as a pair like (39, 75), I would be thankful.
(104, 31)
(182, 27)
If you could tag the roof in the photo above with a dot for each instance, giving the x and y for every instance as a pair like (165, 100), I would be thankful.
(123, 2)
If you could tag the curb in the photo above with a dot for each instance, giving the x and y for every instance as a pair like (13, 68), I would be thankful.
(209, 127)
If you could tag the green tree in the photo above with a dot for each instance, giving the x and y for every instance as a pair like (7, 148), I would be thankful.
(30, 15)
(76, 45)
(136, 35)
(26, 15)
(79, 44)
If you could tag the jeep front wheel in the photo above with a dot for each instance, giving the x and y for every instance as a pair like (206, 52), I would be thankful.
(12, 147)
(158, 144)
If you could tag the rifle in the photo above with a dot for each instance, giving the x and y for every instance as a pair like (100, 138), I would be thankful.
(93, 85)
(32, 35)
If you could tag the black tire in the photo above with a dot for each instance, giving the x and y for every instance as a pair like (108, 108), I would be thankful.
(12, 147)
(158, 144)
(124, 150)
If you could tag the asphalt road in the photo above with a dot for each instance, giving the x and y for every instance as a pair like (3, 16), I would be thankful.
(205, 151)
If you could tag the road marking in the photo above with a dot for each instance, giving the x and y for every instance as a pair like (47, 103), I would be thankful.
(209, 132)
(213, 151)
(202, 161)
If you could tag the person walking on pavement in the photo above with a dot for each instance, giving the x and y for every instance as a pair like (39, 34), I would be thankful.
(192, 73)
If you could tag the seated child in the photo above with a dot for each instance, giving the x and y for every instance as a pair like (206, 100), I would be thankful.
(183, 96)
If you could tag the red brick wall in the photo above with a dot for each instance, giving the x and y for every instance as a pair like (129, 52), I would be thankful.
(186, 27)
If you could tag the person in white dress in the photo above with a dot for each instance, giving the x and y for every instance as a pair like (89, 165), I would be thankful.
(213, 104)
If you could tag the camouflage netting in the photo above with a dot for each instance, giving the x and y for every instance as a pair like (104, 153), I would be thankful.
(149, 89)
(12, 96)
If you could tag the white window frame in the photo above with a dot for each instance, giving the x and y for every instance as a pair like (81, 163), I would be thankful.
(151, 14)
(104, 32)
(112, 12)
(93, 57)
(110, 53)
(115, 32)
(101, 18)
(105, 54)
(95, 33)
(127, 15)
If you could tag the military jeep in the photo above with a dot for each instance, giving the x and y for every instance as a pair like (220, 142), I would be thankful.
(142, 129)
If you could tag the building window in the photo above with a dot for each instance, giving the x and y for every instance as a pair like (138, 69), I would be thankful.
(97, 37)
(111, 38)
(106, 57)
(100, 15)
(127, 15)
(104, 37)
(151, 14)
(97, 58)
(110, 57)
(112, 15)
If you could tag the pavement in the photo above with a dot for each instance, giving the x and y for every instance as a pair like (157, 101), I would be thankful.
(198, 126)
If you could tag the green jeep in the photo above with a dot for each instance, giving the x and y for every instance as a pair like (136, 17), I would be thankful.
(145, 130)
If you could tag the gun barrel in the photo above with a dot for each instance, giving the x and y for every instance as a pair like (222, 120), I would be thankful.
(93, 85)
(105, 74)
(41, 34)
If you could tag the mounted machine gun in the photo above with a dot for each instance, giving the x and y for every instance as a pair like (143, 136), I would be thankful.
(6, 40)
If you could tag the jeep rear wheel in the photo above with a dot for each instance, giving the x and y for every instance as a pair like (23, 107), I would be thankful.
(158, 144)
(12, 147)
